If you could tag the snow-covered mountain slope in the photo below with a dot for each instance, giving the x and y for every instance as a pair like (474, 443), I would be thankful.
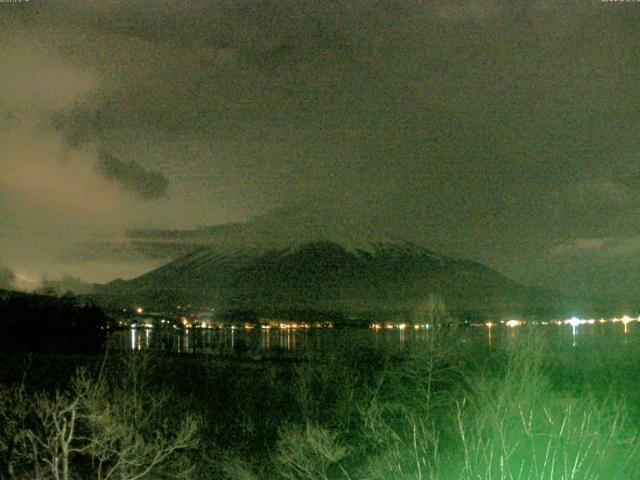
(323, 260)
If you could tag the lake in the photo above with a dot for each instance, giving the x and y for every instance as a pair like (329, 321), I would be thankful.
(294, 342)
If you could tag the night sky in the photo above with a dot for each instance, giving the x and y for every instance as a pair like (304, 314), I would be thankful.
(504, 132)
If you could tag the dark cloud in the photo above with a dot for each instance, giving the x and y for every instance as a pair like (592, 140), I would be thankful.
(600, 267)
(129, 249)
(63, 285)
(489, 129)
(596, 208)
(604, 248)
(151, 244)
(132, 177)
(7, 278)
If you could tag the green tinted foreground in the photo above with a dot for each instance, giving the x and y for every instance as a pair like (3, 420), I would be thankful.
(442, 409)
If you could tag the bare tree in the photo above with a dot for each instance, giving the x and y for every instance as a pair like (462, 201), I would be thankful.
(431, 311)
(94, 430)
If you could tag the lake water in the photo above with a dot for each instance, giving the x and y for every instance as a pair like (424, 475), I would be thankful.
(293, 342)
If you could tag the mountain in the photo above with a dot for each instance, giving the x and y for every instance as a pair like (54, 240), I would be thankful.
(301, 260)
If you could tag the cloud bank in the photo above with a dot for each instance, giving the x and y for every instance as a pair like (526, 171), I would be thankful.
(7, 278)
(130, 176)
(54, 194)
(488, 129)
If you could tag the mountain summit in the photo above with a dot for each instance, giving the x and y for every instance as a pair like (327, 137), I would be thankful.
(321, 260)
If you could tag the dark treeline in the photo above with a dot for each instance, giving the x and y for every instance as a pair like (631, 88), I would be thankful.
(42, 323)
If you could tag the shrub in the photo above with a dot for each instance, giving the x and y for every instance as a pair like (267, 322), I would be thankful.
(308, 453)
(515, 426)
(92, 430)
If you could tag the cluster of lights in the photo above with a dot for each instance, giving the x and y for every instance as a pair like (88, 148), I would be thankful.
(398, 326)
(574, 322)
(626, 319)
(187, 323)
(146, 326)
(293, 326)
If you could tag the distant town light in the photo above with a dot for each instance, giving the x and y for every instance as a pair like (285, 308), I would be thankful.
(139, 310)
(513, 323)
(574, 322)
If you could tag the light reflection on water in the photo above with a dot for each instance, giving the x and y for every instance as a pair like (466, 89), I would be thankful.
(258, 341)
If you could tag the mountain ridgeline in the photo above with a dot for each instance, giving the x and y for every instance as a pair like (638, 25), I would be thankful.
(381, 279)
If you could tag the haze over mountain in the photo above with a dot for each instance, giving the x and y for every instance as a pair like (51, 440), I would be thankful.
(322, 259)
(508, 128)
